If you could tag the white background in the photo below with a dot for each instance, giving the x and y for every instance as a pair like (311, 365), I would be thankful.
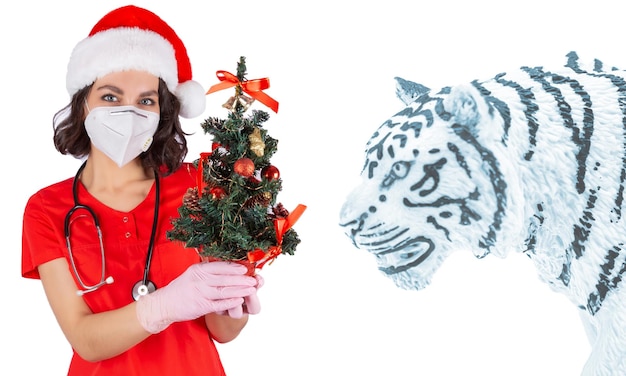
(326, 310)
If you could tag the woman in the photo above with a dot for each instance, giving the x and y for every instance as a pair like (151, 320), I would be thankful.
(130, 302)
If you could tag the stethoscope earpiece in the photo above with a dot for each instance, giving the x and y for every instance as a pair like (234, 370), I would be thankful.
(107, 281)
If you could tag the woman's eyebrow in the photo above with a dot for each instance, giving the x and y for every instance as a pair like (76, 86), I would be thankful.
(149, 93)
(115, 89)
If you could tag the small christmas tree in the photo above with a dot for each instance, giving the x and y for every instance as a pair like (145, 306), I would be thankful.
(232, 213)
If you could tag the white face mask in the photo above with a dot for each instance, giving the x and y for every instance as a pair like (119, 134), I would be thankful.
(121, 132)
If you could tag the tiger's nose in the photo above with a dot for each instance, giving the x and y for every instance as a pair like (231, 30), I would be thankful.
(351, 221)
(355, 212)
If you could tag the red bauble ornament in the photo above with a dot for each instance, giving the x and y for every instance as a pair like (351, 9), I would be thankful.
(270, 173)
(217, 193)
(244, 167)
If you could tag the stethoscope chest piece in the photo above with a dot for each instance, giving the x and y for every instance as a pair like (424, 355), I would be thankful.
(140, 289)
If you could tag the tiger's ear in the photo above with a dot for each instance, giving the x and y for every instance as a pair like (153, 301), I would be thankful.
(465, 104)
(408, 91)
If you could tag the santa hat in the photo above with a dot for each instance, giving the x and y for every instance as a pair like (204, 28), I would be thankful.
(134, 38)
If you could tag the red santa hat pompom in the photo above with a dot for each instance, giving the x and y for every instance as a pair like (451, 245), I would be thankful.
(135, 38)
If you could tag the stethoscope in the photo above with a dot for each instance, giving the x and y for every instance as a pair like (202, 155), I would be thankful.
(143, 286)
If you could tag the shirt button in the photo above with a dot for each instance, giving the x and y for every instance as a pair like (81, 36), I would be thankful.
(127, 235)
(125, 219)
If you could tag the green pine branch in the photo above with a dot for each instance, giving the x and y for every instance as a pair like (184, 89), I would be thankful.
(234, 214)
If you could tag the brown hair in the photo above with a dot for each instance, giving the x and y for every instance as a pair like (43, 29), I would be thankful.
(165, 155)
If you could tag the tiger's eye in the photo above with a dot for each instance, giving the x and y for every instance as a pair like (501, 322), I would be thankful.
(400, 169)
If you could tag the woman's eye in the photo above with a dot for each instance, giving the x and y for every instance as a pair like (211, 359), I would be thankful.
(109, 98)
(147, 102)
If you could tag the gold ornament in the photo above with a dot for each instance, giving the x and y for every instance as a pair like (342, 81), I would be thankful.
(256, 142)
(244, 100)
(230, 103)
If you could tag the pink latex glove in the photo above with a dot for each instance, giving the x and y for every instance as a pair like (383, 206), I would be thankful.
(251, 304)
(203, 288)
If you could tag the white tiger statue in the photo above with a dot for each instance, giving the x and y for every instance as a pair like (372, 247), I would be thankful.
(532, 161)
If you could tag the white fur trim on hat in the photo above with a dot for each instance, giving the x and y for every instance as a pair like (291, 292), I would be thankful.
(192, 97)
(121, 49)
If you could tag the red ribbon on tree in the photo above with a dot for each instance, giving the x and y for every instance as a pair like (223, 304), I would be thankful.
(281, 225)
(254, 88)
(200, 183)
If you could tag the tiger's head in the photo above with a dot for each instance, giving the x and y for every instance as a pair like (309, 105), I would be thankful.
(431, 184)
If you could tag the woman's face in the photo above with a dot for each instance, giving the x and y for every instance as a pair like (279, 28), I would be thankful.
(126, 88)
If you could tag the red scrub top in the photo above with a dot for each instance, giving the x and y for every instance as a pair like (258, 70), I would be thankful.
(184, 348)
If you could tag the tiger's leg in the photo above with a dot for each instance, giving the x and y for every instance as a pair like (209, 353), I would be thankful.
(608, 350)
(590, 326)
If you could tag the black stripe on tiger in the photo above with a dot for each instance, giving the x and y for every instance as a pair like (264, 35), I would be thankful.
(594, 302)
(527, 98)
(565, 110)
(605, 285)
(620, 84)
(495, 175)
(499, 105)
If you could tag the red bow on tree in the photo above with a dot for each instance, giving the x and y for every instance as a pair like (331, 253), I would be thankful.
(253, 88)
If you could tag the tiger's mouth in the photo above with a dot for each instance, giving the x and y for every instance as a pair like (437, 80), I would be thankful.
(405, 256)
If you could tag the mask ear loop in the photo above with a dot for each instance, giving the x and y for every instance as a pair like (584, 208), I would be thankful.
(84, 158)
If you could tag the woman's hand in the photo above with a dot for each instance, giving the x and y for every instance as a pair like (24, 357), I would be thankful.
(203, 288)
(226, 325)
